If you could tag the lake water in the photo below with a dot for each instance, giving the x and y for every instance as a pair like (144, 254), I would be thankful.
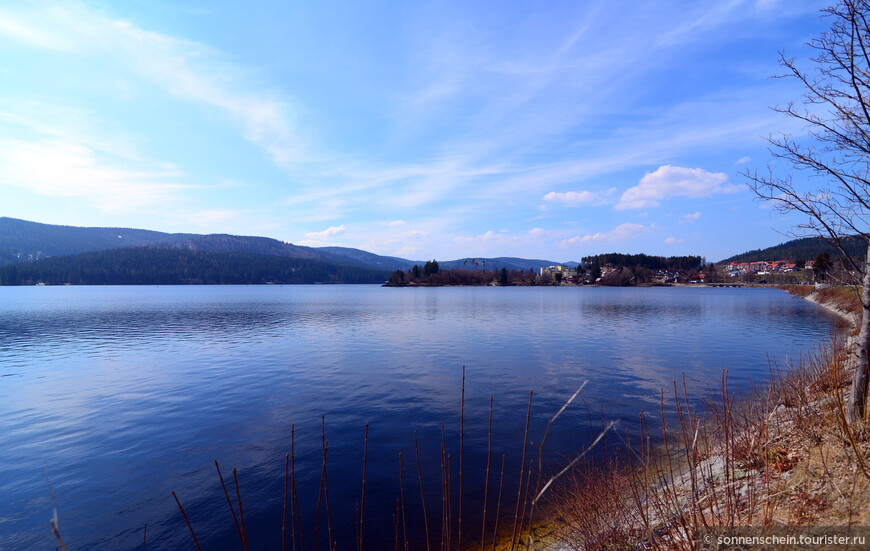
(119, 395)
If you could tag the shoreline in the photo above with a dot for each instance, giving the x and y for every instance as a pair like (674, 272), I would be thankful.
(844, 315)
(781, 456)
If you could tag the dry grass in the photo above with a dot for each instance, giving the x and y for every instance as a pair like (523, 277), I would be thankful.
(782, 455)
(843, 298)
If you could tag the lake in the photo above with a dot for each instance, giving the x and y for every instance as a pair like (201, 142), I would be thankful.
(117, 396)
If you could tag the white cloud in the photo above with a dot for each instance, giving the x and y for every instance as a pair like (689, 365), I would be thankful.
(743, 160)
(674, 181)
(183, 68)
(488, 238)
(406, 250)
(538, 232)
(673, 240)
(17, 29)
(571, 197)
(331, 231)
(57, 168)
(622, 232)
(689, 218)
(576, 198)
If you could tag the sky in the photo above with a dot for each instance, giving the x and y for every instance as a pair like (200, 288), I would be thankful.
(440, 130)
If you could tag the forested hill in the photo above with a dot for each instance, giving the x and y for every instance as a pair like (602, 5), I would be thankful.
(807, 248)
(645, 261)
(160, 266)
(509, 262)
(22, 240)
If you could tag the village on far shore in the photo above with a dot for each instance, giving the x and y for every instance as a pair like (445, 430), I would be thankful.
(626, 270)
(748, 272)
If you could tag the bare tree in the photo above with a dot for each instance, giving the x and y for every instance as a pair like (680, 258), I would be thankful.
(833, 160)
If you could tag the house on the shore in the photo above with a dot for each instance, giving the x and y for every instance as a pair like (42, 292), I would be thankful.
(567, 273)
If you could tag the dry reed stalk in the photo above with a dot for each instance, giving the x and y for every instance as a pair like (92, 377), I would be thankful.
(574, 461)
(486, 480)
(522, 467)
(295, 496)
(229, 503)
(422, 497)
(498, 503)
(444, 521)
(541, 445)
(284, 517)
(356, 516)
(54, 525)
(396, 524)
(402, 488)
(180, 508)
(241, 511)
(526, 500)
(323, 445)
(461, 454)
(449, 501)
(362, 510)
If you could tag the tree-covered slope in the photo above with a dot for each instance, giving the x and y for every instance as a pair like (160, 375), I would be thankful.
(160, 266)
(347, 255)
(806, 248)
(22, 240)
(497, 263)
(645, 261)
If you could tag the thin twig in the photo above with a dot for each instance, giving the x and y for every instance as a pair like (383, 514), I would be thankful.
(486, 480)
(362, 509)
(522, 471)
(498, 503)
(241, 512)
(320, 493)
(286, 484)
(422, 497)
(229, 503)
(574, 461)
(180, 508)
(461, 454)
(402, 487)
(293, 487)
(54, 526)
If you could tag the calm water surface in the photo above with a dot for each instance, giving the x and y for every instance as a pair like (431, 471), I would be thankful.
(119, 395)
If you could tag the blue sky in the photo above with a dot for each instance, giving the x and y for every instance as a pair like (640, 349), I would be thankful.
(424, 130)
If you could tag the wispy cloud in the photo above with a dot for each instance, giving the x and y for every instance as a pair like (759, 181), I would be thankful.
(689, 218)
(622, 232)
(16, 28)
(57, 168)
(674, 181)
(577, 198)
(331, 231)
(490, 237)
(183, 68)
(673, 240)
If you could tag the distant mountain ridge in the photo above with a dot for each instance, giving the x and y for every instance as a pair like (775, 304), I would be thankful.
(175, 266)
(806, 248)
(497, 263)
(22, 240)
